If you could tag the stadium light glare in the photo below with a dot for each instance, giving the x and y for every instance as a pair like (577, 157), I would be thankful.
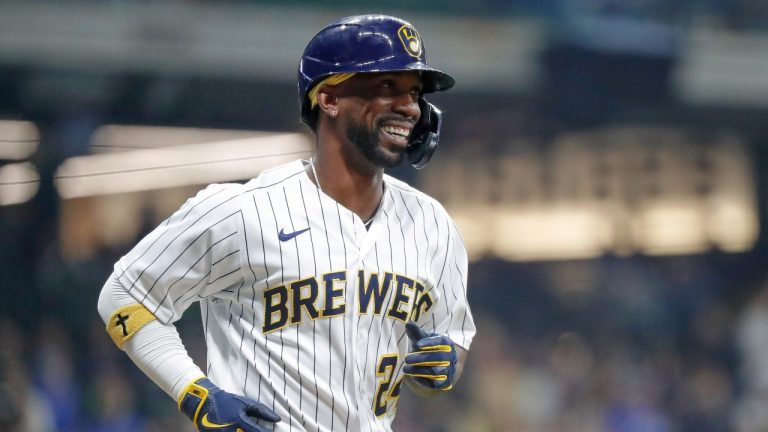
(534, 233)
(19, 182)
(671, 227)
(18, 139)
(180, 165)
(117, 138)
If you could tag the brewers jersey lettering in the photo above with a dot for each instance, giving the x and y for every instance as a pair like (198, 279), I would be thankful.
(304, 309)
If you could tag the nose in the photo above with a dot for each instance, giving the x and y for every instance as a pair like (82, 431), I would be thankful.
(407, 105)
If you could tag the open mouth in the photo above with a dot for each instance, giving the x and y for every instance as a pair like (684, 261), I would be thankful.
(398, 134)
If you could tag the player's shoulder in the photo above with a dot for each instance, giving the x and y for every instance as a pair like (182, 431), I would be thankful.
(275, 177)
(231, 191)
(409, 194)
(223, 197)
(215, 196)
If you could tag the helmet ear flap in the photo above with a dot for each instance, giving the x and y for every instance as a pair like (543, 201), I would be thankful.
(425, 135)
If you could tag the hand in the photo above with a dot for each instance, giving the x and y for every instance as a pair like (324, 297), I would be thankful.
(212, 409)
(432, 362)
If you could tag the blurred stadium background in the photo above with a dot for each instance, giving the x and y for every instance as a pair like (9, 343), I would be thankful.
(606, 160)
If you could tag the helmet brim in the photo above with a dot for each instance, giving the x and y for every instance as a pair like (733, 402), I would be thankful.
(435, 80)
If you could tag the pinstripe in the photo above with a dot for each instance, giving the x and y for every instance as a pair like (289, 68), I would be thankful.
(440, 279)
(405, 250)
(239, 318)
(448, 310)
(204, 312)
(298, 350)
(434, 255)
(253, 298)
(426, 237)
(282, 280)
(452, 290)
(370, 326)
(462, 278)
(418, 254)
(389, 300)
(330, 263)
(413, 223)
(314, 324)
(229, 322)
(343, 320)
(464, 290)
(367, 348)
(392, 324)
(405, 253)
(357, 327)
(266, 283)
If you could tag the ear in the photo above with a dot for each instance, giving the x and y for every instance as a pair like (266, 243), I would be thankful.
(328, 102)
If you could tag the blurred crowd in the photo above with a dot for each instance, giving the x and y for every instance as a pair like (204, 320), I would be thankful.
(633, 344)
(610, 345)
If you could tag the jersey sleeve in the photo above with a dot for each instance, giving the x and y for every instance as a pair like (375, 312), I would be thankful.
(451, 314)
(191, 255)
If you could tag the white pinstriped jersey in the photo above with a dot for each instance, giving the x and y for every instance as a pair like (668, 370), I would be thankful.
(303, 308)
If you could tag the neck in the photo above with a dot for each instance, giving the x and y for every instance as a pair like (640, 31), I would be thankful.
(358, 190)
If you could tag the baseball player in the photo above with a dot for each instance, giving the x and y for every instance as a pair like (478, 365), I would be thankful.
(323, 284)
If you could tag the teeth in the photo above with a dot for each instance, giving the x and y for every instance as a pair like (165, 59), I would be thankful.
(397, 131)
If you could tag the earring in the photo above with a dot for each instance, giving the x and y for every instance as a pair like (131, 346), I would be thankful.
(332, 113)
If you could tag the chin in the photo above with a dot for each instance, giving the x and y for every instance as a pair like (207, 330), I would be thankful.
(387, 159)
(375, 150)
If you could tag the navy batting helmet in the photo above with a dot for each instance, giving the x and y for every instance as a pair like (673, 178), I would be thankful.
(374, 43)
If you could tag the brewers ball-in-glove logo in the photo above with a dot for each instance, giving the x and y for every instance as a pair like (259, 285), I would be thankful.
(411, 40)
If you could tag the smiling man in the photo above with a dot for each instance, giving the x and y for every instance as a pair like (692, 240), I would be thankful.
(323, 284)
(379, 112)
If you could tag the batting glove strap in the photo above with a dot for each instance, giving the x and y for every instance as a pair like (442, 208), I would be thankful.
(213, 409)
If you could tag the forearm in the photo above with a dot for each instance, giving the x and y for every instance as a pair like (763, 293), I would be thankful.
(155, 348)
